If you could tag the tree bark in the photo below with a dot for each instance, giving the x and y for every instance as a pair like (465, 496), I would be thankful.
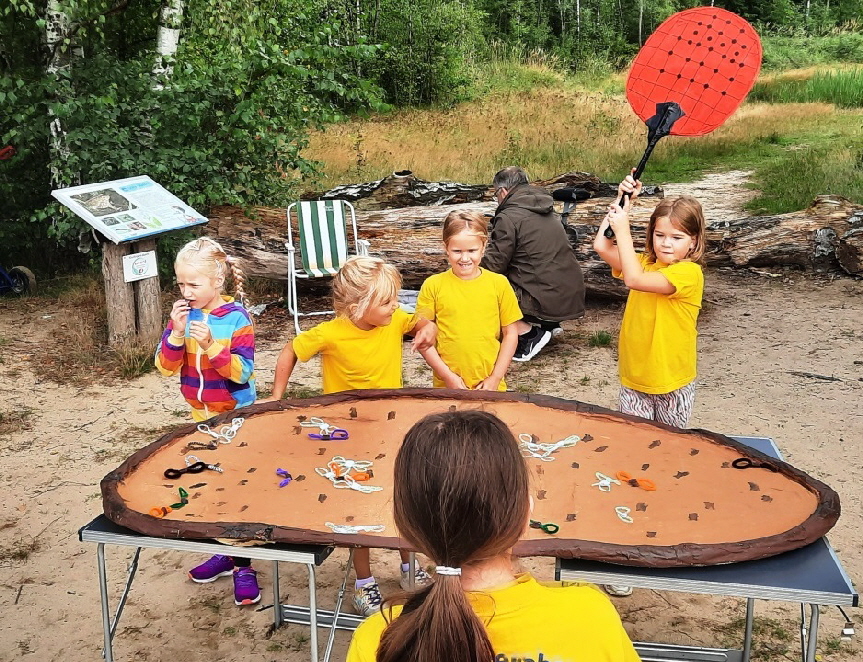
(148, 300)
(167, 40)
(828, 235)
(57, 32)
(119, 295)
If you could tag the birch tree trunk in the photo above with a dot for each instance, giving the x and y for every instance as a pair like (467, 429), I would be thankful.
(59, 64)
(167, 40)
(578, 19)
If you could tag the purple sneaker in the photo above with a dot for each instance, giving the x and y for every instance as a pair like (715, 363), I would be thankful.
(246, 591)
(211, 569)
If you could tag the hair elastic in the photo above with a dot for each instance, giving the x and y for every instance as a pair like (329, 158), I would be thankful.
(446, 570)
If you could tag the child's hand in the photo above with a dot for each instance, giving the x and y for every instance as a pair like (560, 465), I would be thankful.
(272, 398)
(490, 383)
(179, 315)
(424, 338)
(200, 331)
(629, 185)
(618, 218)
(452, 380)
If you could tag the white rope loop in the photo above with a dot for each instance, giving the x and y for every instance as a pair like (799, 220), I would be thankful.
(226, 433)
(355, 528)
(623, 514)
(543, 452)
(321, 424)
(344, 480)
(604, 482)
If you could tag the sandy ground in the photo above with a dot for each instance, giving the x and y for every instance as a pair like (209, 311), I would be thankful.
(755, 331)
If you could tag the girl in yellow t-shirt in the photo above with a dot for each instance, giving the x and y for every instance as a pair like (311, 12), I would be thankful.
(475, 310)
(479, 606)
(360, 349)
(658, 335)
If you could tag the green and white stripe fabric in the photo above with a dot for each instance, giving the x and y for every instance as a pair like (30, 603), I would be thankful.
(323, 239)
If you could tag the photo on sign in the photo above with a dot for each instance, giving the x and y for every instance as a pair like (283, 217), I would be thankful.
(105, 201)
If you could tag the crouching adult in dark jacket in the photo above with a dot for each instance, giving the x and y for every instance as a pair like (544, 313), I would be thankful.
(529, 245)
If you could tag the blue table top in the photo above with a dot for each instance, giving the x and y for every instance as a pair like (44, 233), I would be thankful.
(810, 574)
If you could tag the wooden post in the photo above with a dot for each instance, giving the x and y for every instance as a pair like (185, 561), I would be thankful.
(119, 295)
(148, 300)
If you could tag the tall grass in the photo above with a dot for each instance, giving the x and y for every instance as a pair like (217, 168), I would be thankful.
(547, 131)
(792, 181)
(844, 87)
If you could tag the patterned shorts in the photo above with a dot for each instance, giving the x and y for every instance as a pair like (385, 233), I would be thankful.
(672, 408)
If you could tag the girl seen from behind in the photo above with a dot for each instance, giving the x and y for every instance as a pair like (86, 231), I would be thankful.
(479, 607)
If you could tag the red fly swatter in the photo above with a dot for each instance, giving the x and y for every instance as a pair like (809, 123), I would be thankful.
(691, 74)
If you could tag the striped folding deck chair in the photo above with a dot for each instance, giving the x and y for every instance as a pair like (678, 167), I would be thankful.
(323, 245)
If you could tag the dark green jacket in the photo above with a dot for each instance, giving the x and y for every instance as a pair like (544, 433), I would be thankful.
(529, 246)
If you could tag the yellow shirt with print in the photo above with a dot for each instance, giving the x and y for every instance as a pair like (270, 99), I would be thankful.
(469, 315)
(526, 620)
(352, 358)
(658, 335)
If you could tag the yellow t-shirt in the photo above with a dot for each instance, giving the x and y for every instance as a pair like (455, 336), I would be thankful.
(657, 345)
(527, 620)
(352, 358)
(469, 315)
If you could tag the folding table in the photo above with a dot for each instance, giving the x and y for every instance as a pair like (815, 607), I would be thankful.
(104, 532)
(810, 575)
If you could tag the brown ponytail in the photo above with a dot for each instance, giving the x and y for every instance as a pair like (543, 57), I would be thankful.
(461, 497)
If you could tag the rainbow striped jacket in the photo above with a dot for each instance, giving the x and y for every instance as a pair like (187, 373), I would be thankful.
(221, 378)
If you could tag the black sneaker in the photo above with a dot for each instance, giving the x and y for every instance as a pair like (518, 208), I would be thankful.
(530, 344)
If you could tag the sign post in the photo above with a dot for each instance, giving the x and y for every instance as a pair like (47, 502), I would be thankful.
(130, 213)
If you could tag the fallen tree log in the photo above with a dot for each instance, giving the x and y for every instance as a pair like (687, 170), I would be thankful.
(404, 189)
(827, 236)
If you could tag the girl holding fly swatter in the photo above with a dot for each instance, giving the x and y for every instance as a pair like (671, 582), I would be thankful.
(690, 76)
(657, 352)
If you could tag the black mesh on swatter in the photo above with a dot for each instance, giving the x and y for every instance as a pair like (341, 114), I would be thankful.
(705, 59)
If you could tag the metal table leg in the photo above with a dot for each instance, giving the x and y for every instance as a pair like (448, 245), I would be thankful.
(412, 559)
(313, 612)
(747, 635)
(814, 615)
(109, 625)
(337, 610)
(277, 603)
(107, 652)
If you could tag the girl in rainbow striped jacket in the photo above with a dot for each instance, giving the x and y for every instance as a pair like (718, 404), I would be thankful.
(210, 341)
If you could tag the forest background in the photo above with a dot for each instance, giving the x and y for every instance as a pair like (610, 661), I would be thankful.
(218, 100)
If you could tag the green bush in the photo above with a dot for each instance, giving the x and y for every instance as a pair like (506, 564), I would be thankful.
(227, 127)
(794, 51)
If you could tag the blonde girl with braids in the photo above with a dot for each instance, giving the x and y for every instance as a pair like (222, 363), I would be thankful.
(476, 311)
(215, 355)
(461, 496)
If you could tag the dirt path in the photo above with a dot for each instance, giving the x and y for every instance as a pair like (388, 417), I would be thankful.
(58, 441)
